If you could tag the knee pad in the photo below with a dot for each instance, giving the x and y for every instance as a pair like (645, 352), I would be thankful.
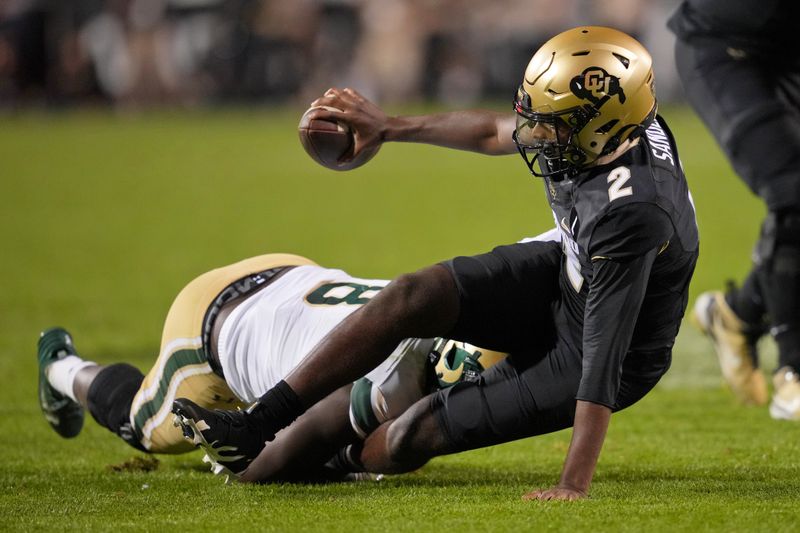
(778, 248)
(110, 397)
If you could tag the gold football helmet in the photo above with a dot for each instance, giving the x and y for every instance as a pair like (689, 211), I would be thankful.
(585, 91)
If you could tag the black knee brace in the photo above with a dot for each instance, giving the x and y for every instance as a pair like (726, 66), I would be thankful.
(110, 397)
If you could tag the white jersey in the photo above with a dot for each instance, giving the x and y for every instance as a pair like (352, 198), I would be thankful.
(266, 336)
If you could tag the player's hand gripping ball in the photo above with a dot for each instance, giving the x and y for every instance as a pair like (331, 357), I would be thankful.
(331, 143)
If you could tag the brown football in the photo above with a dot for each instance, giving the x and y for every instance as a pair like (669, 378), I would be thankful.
(328, 142)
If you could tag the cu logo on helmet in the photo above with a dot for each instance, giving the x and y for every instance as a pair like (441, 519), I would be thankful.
(597, 86)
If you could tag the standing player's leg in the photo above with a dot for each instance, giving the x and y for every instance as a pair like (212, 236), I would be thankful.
(750, 101)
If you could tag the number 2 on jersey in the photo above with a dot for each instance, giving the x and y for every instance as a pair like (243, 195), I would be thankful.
(617, 179)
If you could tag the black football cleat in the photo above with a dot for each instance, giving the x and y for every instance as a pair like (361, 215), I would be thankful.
(63, 413)
(231, 439)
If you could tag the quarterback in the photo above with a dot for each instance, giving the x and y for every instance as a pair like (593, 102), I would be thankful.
(230, 335)
(588, 320)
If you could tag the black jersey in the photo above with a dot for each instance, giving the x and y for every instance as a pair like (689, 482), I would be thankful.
(630, 244)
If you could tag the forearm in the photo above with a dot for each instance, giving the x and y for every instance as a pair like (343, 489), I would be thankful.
(301, 450)
(588, 434)
(486, 132)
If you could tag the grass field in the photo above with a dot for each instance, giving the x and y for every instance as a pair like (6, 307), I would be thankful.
(104, 218)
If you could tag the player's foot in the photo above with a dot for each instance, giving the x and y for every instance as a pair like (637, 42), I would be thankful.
(64, 414)
(786, 398)
(736, 351)
(231, 439)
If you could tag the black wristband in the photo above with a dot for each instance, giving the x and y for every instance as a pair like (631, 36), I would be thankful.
(279, 406)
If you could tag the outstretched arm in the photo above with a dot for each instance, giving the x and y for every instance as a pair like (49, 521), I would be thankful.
(486, 132)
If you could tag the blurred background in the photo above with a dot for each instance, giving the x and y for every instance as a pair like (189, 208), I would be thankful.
(144, 53)
(143, 142)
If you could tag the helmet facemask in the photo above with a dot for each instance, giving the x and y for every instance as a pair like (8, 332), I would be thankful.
(548, 138)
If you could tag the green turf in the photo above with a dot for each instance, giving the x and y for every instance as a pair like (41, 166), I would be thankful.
(105, 217)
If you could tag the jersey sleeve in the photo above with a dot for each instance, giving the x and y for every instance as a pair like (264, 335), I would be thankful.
(629, 231)
(615, 297)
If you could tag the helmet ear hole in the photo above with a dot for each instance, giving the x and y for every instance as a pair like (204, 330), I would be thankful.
(605, 128)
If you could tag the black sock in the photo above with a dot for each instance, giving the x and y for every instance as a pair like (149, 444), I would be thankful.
(110, 397)
(277, 408)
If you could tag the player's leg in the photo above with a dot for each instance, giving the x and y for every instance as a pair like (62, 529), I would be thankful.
(778, 268)
(739, 94)
(523, 396)
(749, 100)
(118, 396)
(74, 384)
(511, 401)
(640, 373)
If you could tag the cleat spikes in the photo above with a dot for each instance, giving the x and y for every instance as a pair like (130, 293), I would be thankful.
(221, 458)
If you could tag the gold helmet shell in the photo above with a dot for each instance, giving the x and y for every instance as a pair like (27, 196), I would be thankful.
(598, 82)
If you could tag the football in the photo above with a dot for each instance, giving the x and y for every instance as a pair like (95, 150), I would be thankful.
(330, 142)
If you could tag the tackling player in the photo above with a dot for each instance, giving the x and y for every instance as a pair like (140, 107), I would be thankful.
(589, 322)
(230, 335)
